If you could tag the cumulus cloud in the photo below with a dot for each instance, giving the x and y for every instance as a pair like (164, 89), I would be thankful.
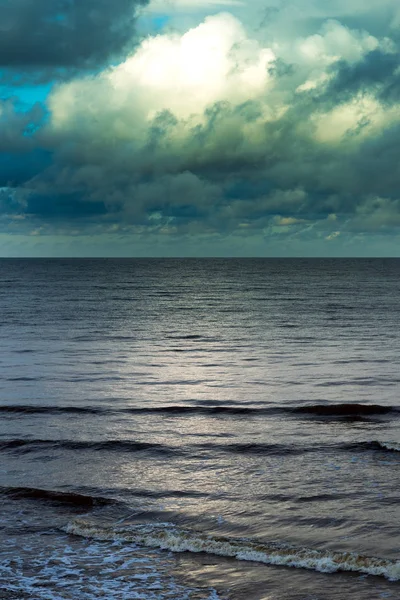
(181, 74)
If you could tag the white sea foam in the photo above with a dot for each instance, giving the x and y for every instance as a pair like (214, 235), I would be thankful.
(181, 540)
(96, 572)
(89, 570)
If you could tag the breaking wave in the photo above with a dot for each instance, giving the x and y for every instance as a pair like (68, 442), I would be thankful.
(391, 446)
(169, 537)
(373, 445)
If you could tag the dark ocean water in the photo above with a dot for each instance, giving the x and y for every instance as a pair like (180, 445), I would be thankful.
(200, 429)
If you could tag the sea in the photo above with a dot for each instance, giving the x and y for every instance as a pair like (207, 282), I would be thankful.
(201, 429)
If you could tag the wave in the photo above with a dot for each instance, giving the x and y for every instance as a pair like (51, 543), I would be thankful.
(110, 445)
(344, 409)
(171, 409)
(206, 410)
(287, 449)
(24, 446)
(186, 337)
(27, 493)
(391, 446)
(31, 409)
(32, 445)
(22, 379)
(167, 537)
(323, 410)
(270, 449)
(373, 445)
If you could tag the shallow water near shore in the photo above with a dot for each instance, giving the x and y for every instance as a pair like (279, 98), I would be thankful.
(199, 429)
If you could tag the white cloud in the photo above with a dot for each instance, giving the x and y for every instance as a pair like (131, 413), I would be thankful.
(333, 236)
(360, 117)
(289, 221)
(314, 54)
(183, 74)
(334, 42)
(216, 61)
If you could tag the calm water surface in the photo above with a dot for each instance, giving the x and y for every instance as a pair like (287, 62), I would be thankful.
(244, 410)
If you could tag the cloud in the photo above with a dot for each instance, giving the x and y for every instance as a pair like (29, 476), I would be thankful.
(332, 236)
(18, 126)
(378, 214)
(288, 221)
(334, 42)
(218, 131)
(159, 6)
(46, 35)
(209, 102)
(182, 74)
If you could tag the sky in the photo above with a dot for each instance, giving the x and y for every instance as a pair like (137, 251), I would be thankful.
(199, 128)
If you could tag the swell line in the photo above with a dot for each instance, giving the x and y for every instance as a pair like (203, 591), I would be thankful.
(25, 446)
(169, 409)
(28, 493)
(53, 410)
(317, 410)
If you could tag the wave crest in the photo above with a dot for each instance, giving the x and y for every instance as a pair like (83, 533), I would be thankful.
(393, 446)
(167, 537)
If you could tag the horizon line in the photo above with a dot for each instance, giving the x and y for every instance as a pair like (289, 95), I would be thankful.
(199, 257)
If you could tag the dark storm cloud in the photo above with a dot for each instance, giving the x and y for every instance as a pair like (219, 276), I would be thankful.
(377, 73)
(289, 172)
(376, 165)
(17, 126)
(63, 206)
(10, 203)
(218, 178)
(21, 159)
(43, 35)
(17, 168)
